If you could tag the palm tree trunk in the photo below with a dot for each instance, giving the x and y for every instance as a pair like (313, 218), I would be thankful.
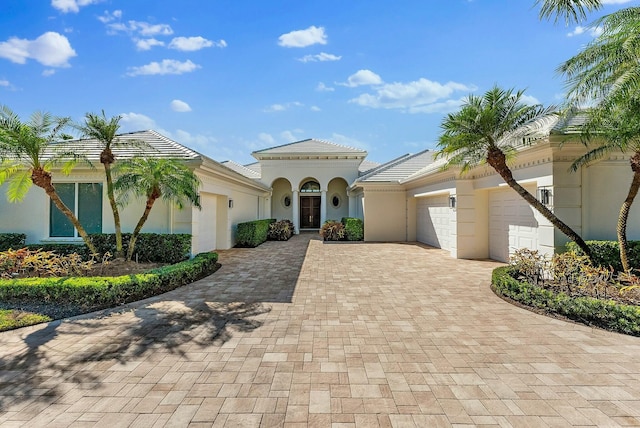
(497, 160)
(114, 208)
(134, 236)
(621, 228)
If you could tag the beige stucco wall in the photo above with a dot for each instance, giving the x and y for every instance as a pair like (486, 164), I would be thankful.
(385, 214)
(606, 187)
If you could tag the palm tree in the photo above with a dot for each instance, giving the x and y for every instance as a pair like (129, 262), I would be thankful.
(28, 154)
(607, 72)
(489, 129)
(570, 10)
(607, 69)
(616, 127)
(154, 178)
(105, 132)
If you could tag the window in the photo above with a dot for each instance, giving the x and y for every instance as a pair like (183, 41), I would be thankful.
(286, 201)
(310, 187)
(85, 200)
(336, 201)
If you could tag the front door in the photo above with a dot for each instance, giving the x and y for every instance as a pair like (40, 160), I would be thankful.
(310, 212)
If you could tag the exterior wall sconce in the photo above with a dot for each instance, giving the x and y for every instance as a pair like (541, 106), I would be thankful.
(545, 196)
(452, 202)
(230, 203)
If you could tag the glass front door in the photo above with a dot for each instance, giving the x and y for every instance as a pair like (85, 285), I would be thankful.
(310, 212)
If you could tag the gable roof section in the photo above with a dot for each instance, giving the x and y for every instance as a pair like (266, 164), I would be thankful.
(398, 169)
(367, 166)
(570, 123)
(241, 169)
(310, 149)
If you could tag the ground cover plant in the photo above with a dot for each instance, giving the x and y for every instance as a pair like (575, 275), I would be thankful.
(570, 285)
(332, 231)
(281, 230)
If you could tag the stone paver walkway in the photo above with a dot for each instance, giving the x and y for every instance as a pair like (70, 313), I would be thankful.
(306, 333)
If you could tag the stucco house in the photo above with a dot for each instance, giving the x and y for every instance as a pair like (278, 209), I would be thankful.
(410, 198)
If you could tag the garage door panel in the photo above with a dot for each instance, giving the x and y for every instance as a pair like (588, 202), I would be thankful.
(512, 224)
(434, 221)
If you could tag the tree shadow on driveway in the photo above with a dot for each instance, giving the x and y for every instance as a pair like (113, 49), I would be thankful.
(43, 364)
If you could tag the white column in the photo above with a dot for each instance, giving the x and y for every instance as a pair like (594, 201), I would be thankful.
(352, 204)
(323, 207)
(296, 212)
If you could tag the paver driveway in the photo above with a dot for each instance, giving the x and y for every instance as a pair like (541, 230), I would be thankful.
(306, 333)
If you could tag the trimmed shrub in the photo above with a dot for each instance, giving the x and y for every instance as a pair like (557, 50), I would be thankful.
(332, 231)
(281, 230)
(353, 228)
(12, 240)
(607, 253)
(150, 247)
(93, 293)
(601, 313)
(253, 233)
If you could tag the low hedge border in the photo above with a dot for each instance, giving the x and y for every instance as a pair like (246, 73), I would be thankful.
(605, 314)
(353, 228)
(94, 293)
(607, 253)
(12, 240)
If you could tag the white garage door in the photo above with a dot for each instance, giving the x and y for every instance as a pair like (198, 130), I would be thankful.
(511, 224)
(434, 221)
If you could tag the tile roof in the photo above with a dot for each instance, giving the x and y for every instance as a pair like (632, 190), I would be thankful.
(367, 166)
(255, 166)
(570, 122)
(310, 147)
(135, 143)
(241, 169)
(399, 168)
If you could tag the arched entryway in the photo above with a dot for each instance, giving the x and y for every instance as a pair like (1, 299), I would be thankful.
(310, 205)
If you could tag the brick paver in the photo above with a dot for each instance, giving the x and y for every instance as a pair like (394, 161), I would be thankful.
(306, 333)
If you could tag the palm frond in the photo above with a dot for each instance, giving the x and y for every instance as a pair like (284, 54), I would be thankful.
(19, 184)
(567, 10)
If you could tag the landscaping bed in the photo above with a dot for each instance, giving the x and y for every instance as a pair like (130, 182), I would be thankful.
(61, 297)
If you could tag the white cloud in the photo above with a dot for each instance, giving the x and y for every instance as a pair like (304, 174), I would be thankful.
(51, 49)
(66, 6)
(141, 27)
(185, 137)
(167, 66)
(592, 31)
(194, 43)
(136, 122)
(315, 108)
(347, 141)
(147, 44)
(266, 138)
(5, 83)
(321, 57)
(420, 96)
(290, 136)
(48, 72)
(529, 100)
(180, 106)
(302, 38)
(110, 16)
(282, 107)
(324, 88)
(363, 77)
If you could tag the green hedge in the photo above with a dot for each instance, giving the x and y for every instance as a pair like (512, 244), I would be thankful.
(93, 293)
(12, 240)
(253, 233)
(150, 247)
(354, 228)
(607, 253)
(606, 314)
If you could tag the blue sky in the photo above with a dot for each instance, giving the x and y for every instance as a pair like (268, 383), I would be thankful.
(228, 77)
